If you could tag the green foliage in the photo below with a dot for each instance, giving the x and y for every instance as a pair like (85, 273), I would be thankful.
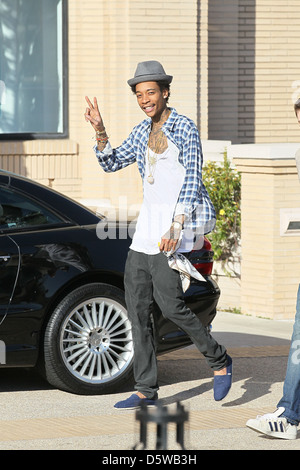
(223, 184)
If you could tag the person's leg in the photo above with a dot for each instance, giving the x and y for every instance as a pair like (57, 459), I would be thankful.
(290, 400)
(273, 424)
(284, 421)
(167, 292)
(139, 298)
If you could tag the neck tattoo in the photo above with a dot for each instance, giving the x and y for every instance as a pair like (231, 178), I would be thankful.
(158, 147)
(152, 159)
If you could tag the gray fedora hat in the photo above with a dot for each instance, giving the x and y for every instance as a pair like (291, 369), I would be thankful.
(149, 71)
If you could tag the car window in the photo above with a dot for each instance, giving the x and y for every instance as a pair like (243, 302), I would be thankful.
(18, 210)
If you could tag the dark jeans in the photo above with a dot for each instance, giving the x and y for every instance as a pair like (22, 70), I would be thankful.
(148, 277)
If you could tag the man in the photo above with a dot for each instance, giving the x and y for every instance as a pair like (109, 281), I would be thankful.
(283, 422)
(167, 149)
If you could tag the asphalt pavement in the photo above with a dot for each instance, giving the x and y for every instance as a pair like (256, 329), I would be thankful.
(35, 416)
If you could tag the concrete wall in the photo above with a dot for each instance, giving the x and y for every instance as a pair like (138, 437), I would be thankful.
(270, 262)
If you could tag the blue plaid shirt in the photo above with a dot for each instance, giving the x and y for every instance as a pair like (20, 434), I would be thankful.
(182, 131)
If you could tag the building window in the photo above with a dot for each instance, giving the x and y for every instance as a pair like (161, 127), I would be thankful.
(33, 92)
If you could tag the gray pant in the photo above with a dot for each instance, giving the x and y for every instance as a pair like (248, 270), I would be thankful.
(148, 277)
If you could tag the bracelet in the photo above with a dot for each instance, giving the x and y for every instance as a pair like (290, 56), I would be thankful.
(101, 132)
(97, 138)
(100, 137)
(102, 140)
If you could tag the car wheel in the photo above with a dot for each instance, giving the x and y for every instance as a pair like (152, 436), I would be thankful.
(88, 341)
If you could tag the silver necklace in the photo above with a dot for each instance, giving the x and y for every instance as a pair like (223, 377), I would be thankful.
(152, 159)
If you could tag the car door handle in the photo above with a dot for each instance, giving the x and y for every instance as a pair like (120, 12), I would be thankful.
(4, 258)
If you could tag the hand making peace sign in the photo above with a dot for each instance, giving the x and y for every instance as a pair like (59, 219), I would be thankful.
(93, 115)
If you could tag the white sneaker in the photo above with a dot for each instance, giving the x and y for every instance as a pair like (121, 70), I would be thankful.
(273, 425)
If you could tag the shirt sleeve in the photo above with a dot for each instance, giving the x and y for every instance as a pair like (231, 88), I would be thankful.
(115, 159)
(190, 194)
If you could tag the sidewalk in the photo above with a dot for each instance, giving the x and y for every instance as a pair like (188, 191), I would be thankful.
(34, 416)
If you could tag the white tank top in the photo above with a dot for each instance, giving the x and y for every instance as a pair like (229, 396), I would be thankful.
(159, 201)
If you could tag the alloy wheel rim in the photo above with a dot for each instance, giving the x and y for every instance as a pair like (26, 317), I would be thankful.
(96, 341)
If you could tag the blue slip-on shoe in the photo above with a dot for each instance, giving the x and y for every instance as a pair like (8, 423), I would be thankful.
(134, 401)
(222, 383)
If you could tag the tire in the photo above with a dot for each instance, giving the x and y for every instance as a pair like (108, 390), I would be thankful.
(88, 345)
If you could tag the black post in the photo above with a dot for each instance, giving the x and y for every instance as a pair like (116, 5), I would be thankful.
(161, 416)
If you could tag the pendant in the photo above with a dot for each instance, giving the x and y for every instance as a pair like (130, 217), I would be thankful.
(150, 179)
(152, 160)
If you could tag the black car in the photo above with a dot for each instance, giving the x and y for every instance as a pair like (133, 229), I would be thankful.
(62, 305)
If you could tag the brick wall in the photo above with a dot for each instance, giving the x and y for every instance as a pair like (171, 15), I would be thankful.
(107, 39)
(270, 263)
(277, 70)
(53, 163)
(235, 73)
(231, 62)
(253, 70)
